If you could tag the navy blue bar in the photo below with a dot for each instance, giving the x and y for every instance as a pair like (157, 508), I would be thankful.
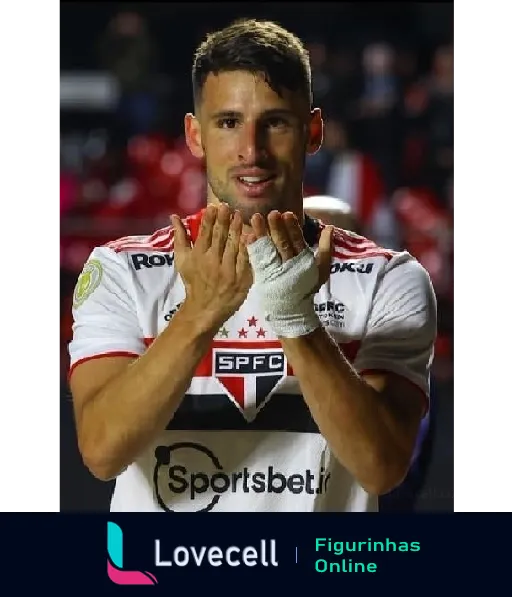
(214, 412)
(442, 554)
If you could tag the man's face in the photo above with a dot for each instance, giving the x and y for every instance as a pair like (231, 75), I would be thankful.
(254, 142)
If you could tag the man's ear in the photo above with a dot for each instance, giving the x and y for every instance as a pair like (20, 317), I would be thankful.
(316, 131)
(193, 136)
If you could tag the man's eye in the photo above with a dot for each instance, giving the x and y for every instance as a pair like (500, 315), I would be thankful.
(227, 123)
(277, 123)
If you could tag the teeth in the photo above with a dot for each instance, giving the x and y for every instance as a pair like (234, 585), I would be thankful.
(253, 179)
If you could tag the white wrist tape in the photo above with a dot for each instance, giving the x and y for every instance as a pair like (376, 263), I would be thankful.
(285, 289)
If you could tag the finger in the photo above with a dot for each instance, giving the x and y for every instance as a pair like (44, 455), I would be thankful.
(324, 254)
(279, 235)
(233, 240)
(221, 230)
(243, 265)
(181, 239)
(294, 232)
(259, 226)
(204, 237)
(249, 238)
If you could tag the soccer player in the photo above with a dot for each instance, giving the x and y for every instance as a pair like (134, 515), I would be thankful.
(248, 358)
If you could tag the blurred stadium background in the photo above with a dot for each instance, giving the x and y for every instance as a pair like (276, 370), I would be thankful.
(383, 76)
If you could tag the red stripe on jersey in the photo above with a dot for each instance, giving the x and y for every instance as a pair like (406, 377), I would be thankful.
(194, 222)
(204, 369)
(349, 349)
(340, 236)
(343, 235)
(354, 246)
(235, 386)
(161, 240)
(349, 255)
(359, 246)
(157, 235)
(101, 356)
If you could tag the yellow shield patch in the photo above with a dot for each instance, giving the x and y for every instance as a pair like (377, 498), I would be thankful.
(88, 281)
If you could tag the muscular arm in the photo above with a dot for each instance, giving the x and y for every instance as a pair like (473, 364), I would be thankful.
(121, 404)
(371, 419)
(370, 424)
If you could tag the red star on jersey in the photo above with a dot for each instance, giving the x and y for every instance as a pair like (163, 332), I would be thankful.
(242, 333)
(260, 333)
(252, 321)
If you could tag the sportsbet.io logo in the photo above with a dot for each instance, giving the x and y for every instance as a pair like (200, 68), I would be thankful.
(189, 477)
(179, 480)
(88, 281)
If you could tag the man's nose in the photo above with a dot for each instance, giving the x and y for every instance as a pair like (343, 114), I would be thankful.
(252, 143)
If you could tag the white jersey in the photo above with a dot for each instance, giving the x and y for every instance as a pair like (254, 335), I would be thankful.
(243, 439)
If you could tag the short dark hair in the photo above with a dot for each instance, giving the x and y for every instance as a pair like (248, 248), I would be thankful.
(256, 46)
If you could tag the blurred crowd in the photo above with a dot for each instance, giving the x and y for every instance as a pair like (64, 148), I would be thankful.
(387, 152)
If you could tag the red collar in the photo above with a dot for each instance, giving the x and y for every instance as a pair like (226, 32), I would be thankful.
(194, 222)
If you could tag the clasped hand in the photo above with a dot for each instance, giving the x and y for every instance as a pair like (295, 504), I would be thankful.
(220, 267)
(287, 273)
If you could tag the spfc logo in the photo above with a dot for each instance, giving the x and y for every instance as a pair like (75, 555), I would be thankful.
(249, 376)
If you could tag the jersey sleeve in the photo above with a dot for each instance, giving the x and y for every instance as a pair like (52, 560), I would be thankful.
(105, 319)
(402, 325)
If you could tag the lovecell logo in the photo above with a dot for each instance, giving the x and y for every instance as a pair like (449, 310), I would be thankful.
(115, 561)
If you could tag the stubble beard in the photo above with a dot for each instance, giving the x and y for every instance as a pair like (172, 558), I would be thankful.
(247, 210)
